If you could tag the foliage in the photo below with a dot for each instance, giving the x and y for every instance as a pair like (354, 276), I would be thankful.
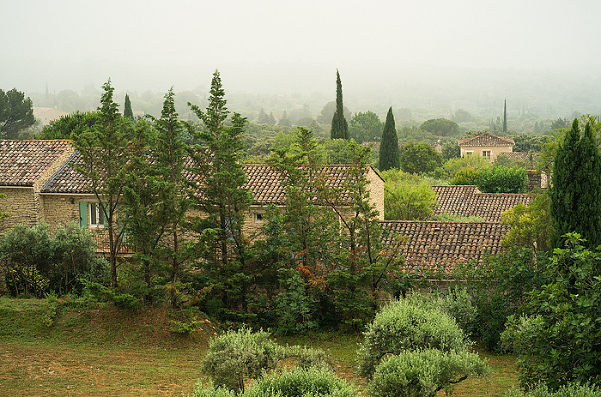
(104, 152)
(366, 127)
(531, 225)
(505, 160)
(38, 263)
(389, 146)
(16, 113)
(316, 382)
(576, 186)
(406, 196)
(440, 127)
(500, 179)
(219, 194)
(293, 308)
(454, 165)
(423, 373)
(569, 390)
(465, 176)
(419, 158)
(562, 342)
(239, 355)
(70, 125)
(155, 198)
(405, 326)
(339, 124)
(451, 150)
(106, 294)
(499, 288)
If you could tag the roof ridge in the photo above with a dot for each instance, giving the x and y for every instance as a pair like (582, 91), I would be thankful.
(62, 167)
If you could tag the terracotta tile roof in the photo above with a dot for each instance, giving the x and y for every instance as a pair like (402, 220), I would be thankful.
(262, 180)
(468, 200)
(23, 162)
(443, 245)
(486, 139)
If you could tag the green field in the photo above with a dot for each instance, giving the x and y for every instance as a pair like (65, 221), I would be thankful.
(102, 351)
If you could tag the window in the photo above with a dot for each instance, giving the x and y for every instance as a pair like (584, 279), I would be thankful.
(96, 215)
(259, 217)
(486, 153)
(469, 152)
(91, 215)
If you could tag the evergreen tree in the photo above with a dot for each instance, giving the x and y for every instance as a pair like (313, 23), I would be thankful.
(505, 117)
(218, 165)
(16, 113)
(339, 125)
(155, 198)
(576, 188)
(105, 153)
(389, 148)
(127, 112)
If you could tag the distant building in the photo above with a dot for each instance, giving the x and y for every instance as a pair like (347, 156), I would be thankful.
(46, 115)
(486, 145)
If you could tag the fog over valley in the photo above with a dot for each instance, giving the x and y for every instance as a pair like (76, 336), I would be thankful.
(431, 57)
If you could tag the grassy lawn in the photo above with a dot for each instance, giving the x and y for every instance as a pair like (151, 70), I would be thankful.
(102, 351)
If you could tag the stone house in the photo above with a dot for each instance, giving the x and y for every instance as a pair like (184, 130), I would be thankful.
(25, 166)
(66, 197)
(485, 145)
(40, 184)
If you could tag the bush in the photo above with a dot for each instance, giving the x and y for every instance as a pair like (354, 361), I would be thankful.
(570, 390)
(500, 179)
(300, 383)
(465, 176)
(404, 325)
(423, 373)
(238, 355)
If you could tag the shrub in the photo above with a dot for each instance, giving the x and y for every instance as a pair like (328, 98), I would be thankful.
(404, 325)
(238, 355)
(465, 176)
(316, 382)
(423, 373)
(500, 179)
(570, 390)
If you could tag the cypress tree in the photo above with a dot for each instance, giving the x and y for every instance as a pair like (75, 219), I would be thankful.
(576, 188)
(389, 148)
(339, 125)
(127, 112)
(505, 116)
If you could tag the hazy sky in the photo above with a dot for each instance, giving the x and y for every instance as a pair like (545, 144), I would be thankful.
(279, 45)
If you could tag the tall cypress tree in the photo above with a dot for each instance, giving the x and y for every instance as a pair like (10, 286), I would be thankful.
(339, 125)
(505, 116)
(127, 112)
(576, 188)
(389, 147)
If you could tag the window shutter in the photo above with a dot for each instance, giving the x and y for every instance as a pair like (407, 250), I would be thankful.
(83, 214)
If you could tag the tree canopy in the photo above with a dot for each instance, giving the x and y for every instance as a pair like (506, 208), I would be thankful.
(16, 113)
(339, 124)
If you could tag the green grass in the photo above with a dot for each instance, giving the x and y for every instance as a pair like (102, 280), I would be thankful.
(98, 350)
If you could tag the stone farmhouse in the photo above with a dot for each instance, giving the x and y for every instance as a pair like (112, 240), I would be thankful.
(40, 185)
(485, 145)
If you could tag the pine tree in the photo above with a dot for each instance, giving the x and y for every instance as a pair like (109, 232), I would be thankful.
(339, 125)
(127, 112)
(576, 188)
(218, 164)
(389, 147)
(105, 153)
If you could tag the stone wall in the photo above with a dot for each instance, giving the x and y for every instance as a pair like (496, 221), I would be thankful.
(376, 191)
(20, 204)
(60, 209)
